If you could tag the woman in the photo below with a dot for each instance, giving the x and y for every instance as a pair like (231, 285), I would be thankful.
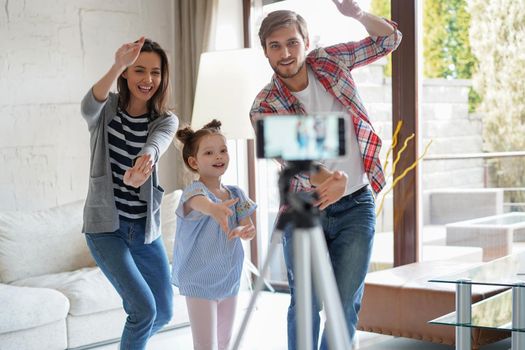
(129, 132)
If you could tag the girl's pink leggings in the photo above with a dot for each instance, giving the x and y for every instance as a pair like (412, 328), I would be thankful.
(211, 322)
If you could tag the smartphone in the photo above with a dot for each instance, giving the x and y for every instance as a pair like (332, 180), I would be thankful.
(301, 137)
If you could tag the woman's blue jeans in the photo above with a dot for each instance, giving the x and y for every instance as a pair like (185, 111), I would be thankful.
(349, 227)
(140, 273)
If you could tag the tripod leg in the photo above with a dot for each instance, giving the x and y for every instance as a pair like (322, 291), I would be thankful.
(326, 286)
(303, 288)
(250, 268)
(256, 289)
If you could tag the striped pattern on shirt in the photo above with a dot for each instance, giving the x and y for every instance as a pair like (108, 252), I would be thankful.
(126, 137)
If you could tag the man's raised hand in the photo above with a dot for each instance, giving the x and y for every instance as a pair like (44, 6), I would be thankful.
(349, 8)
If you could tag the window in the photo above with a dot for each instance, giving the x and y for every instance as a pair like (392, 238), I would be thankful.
(473, 184)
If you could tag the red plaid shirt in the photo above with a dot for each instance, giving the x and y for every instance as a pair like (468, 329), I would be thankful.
(332, 66)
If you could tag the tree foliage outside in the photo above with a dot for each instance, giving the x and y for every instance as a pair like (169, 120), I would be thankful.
(497, 35)
(380, 8)
(446, 43)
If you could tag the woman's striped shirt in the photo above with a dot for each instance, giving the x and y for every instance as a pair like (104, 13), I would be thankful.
(127, 136)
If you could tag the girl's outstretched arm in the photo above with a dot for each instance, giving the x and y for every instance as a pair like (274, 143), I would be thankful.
(124, 57)
(220, 212)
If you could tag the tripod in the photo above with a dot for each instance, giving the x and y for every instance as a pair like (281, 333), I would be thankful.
(310, 259)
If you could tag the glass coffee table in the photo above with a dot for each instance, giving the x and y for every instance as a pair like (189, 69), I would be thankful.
(504, 311)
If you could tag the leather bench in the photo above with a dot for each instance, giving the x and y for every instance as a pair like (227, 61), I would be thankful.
(401, 301)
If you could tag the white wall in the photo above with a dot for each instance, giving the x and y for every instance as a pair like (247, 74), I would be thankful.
(51, 52)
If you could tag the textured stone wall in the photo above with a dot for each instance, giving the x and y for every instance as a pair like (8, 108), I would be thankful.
(443, 118)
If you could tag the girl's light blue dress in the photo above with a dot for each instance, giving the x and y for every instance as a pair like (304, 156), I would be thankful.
(205, 263)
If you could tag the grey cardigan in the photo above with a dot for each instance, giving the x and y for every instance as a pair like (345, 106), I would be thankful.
(100, 212)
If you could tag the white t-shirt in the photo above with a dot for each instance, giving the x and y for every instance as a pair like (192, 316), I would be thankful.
(317, 100)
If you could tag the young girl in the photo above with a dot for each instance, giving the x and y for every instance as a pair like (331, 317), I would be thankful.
(208, 254)
(129, 132)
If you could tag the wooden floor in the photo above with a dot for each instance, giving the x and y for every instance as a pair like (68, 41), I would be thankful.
(267, 331)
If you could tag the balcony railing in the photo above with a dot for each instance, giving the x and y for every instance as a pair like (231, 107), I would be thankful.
(485, 155)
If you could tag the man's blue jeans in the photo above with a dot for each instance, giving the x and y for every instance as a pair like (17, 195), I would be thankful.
(140, 273)
(349, 227)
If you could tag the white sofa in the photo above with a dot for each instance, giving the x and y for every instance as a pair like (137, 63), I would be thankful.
(52, 296)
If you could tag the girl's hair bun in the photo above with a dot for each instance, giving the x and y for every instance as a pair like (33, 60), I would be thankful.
(214, 124)
(185, 134)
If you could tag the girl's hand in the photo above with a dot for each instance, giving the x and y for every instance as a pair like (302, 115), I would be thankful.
(127, 54)
(245, 232)
(220, 212)
(332, 189)
(349, 8)
(140, 172)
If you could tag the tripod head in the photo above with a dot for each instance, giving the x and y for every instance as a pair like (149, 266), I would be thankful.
(299, 206)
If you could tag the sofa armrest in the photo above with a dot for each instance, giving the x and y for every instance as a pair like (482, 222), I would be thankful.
(26, 307)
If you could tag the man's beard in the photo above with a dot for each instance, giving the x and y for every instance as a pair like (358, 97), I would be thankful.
(287, 76)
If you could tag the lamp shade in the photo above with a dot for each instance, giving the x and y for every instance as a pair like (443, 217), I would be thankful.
(227, 84)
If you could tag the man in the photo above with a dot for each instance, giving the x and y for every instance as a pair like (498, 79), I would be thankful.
(321, 82)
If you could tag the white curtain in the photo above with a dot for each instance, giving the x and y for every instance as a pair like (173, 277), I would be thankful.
(195, 22)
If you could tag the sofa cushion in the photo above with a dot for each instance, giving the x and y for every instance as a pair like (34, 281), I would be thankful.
(24, 308)
(97, 327)
(169, 220)
(42, 242)
(87, 289)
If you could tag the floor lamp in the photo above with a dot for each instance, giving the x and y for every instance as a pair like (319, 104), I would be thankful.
(227, 84)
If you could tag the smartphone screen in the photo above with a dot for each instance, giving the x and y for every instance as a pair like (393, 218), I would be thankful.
(299, 137)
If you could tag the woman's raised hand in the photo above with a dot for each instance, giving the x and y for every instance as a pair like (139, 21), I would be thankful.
(128, 53)
(124, 57)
